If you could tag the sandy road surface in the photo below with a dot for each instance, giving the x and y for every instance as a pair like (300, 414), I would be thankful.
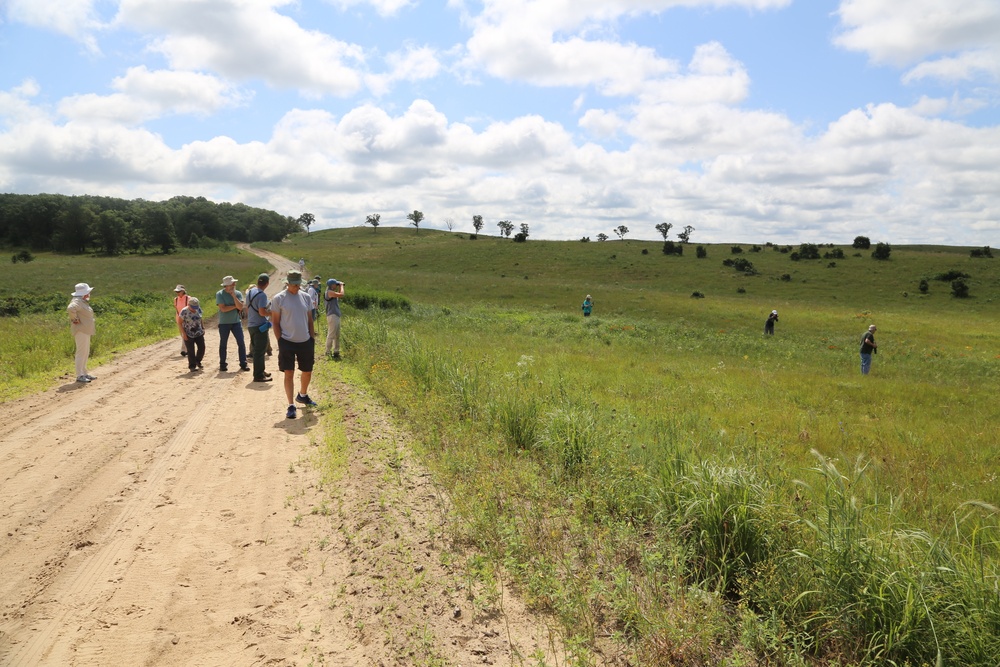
(145, 519)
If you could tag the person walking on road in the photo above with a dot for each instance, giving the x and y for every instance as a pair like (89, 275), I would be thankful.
(334, 293)
(180, 303)
(193, 330)
(82, 326)
(868, 348)
(295, 333)
(230, 303)
(258, 322)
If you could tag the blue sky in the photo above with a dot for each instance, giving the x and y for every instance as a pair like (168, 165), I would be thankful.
(750, 120)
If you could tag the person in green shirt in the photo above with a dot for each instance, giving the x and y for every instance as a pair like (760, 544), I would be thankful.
(230, 303)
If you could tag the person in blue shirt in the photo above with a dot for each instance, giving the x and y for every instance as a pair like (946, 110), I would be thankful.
(258, 316)
(588, 305)
(230, 303)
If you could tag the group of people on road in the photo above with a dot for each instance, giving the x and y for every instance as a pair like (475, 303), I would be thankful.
(291, 314)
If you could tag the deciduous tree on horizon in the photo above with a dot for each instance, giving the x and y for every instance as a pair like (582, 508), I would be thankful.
(373, 220)
(415, 219)
(477, 223)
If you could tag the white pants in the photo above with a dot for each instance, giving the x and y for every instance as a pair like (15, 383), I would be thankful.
(82, 353)
(333, 333)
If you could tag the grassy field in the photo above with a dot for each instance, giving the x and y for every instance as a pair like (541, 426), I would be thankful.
(674, 487)
(668, 481)
(132, 298)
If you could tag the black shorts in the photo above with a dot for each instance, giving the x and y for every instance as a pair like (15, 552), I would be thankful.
(288, 351)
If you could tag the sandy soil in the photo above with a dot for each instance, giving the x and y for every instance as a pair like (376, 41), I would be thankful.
(159, 517)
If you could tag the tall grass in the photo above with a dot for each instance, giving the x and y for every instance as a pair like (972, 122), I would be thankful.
(681, 504)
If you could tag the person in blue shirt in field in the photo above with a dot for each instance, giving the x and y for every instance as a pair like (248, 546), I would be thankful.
(588, 305)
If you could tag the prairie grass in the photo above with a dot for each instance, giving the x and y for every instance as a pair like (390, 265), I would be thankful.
(673, 486)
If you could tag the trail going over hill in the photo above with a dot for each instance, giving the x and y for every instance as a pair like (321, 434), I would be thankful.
(160, 517)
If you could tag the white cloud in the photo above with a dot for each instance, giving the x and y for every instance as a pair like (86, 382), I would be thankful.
(412, 64)
(16, 106)
(891, 34)
(383, 7)
(245, 40)
(966, 66)
(549, 44)
(146, 94)
(601, 124)
(74, 18)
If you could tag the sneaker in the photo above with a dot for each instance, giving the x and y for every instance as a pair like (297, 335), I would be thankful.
(290, 414)
(84, 379)
(244, 368)
(199, 365)
(336, 356)
(305, 400)
(184, 353)
(263, 379)
(91, 377)
(223, 369)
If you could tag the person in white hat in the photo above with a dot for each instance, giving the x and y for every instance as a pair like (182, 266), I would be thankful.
(180, 303)
(868, 348)
(769, 324)
(230, 303)
(82, 326)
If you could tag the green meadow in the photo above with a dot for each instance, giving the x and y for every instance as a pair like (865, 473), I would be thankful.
(670, 484)
(132, 299)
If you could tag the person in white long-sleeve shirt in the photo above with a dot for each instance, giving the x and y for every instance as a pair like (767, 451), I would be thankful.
(82, 326)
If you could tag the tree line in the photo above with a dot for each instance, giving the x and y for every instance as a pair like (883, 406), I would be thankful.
(114, 226)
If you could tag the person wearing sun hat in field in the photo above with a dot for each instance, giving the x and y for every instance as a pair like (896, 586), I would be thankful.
(82, 326)
(769, 324)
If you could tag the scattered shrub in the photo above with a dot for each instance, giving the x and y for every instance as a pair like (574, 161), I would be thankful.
(671, 248)
(786, 277)
(981, 252)
(697, 295)
(24, 256)
(701, 252)
(755, 248)
(881, 251)
(861, 243)
(784, 251)
(740, 264)
(585, 239)
(645, 251)
(951, 275)
(960, 289)
(831, 265)
(741, 290)
(808, 251)
(924, 286)
(736, 250)
(836, 253)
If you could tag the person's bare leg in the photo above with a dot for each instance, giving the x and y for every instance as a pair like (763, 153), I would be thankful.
(290, 386)
(305, 382)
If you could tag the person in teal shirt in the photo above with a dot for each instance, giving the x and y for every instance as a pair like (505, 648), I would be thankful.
(230, 303)
(588, 305)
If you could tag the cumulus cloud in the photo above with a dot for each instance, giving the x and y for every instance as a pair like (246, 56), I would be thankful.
(969, 28)
(383, 7)
(146, 94)
(550, 43)
(74, 18)
(247, 40)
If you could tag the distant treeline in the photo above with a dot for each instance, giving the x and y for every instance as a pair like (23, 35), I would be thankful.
(115, 226)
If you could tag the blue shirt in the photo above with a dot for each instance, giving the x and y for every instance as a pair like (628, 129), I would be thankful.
(256, 298)
(224, 298)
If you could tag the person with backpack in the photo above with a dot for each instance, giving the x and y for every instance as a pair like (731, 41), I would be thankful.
(868, 348)
(588, 305)
(769, 324)
(258, 323)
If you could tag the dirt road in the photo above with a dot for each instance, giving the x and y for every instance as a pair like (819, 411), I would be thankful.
(160, 517)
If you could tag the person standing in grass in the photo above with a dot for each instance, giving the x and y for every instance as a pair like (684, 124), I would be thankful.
(193, 330)
(588, 305)
(258, 322)
(294, 330)
(82, 326)
(230, 303)
(180, 303)
(769, 325)
(313, 290)
(868, 348)
(334, 293)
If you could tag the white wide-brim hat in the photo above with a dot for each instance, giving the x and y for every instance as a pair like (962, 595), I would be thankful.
(82, 289)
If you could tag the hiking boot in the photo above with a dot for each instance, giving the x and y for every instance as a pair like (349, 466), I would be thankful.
(290, 413)
(223, 369)
(244, 368)
(305, 400)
